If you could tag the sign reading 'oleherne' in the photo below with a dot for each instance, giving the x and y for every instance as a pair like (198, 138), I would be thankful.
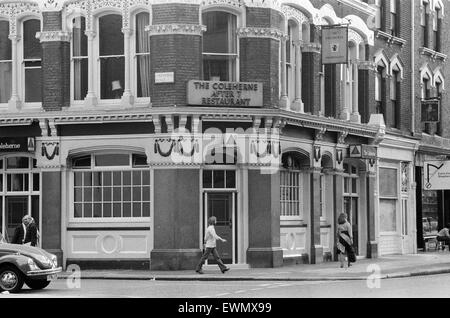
(228, 94)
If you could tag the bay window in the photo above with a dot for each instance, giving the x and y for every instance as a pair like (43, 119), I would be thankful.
(219, 46)
(32, 61)
(111, 56)
(5, 63)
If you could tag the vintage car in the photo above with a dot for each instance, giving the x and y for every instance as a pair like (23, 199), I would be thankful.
(21, 264)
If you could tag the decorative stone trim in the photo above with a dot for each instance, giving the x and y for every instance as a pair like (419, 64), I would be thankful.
(225, 3)
(292, 13)
(390, 39)
(51, 5)
(269, 33)
(166, 29)
(15, 9)
(53, 36)
(433, 54)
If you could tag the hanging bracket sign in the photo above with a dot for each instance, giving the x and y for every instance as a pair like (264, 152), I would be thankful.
(436, 175)
(334, 44)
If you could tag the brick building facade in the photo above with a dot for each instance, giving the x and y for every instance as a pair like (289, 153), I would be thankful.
(120, 98)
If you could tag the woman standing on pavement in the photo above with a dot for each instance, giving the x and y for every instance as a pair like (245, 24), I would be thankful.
(210, 247)
(345, 241)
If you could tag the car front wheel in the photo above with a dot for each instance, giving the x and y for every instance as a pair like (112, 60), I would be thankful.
(37, 283)
(11, 279)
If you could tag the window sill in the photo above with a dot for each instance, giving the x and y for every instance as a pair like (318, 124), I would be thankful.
(433, 54)
(390, 38)
(108, 221)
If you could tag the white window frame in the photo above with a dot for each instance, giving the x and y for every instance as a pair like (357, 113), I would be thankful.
(298, 174)
(93, 168)
(98, 58)
(134, 57)
(239, 23)
(8, 61)
(21, 64)
(72, 66)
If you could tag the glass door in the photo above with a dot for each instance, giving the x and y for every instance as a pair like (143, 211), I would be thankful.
(222, 206)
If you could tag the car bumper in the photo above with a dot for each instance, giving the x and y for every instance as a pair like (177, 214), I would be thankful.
(44, 272)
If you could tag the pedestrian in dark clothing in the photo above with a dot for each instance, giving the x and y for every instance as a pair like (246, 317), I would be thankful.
(26, 232)
(444, 235)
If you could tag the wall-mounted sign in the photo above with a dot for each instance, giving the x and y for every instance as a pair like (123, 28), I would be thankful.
(436, 175)
(19, 144)
(363, 152)
(430, 110)
(227, 94)
(334, 44)
(166, 77)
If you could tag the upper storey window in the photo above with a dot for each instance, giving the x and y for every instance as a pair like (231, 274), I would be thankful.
(32, 59)
(5, 63)
(111, 57)
(219, 46)
(80, 59)
(142, 55)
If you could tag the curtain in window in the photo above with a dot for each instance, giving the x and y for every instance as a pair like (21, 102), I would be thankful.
(143, 56)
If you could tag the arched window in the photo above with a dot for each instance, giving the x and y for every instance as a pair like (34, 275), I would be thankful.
(80, 59)
(111, 56)
(219, 46)
(437, 26)
(5, 63)
(425, 22)
(382, 65)
(32, 61)
(142, 55)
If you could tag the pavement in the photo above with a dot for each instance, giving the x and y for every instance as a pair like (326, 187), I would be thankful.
(386, 267)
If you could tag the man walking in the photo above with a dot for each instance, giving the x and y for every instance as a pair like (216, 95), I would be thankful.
(210, 247)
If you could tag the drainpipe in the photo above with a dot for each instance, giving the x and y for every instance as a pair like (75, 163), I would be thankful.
(413, 70)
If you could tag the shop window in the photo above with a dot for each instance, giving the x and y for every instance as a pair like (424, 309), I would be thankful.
(32, 61)
(142, 55)
(388, 199)
(80, 59)
(5, 63)
(291, 193)
(112, 58)
(219, 46)
(106, 190)
(17, 163)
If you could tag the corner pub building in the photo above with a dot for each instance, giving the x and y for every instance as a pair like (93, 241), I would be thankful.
(93, 92)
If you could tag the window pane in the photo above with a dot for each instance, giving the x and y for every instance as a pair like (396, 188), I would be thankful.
(88, 210)
(117, 210)
(146, 194)
(111, 35)
(388, 182)
(33, 85)
(219, 179)
(127, 193)
(137, 194)
(127, 210)
(109, 160)
(137, 213)
(5, 42)
(82, 162)
(217, 69)
(112, 77)
(97, 176)
(127, 178)
(137, 178)
(220, 35)
(388, 215)
(5, 81)
(146, 177)
(80, 78)
(107, 194)
(97, 210)
(78, 195)
(80, 40)
(78, 210)
(231, 179)
(146, 209)
(87, 178)
(107, 210)
(35, 181)
(143, 76)
(142, 38)
(78, 179)
(207, 179)
(140, 161)
(107, 178)
(31, 46)
(17, 163)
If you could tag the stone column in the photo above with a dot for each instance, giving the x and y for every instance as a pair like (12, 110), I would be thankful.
(91, 98)
(345, 111)
(316, 249)
(338, 200)
(372, 195)
(298, 103)
(127, 97)
(355, 116)
(284, 100)
(264, 220)
(15, 103)
(311, 70)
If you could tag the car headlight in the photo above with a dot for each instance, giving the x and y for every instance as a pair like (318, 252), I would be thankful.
(32, 265)
(44, 260)
(54, 261)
